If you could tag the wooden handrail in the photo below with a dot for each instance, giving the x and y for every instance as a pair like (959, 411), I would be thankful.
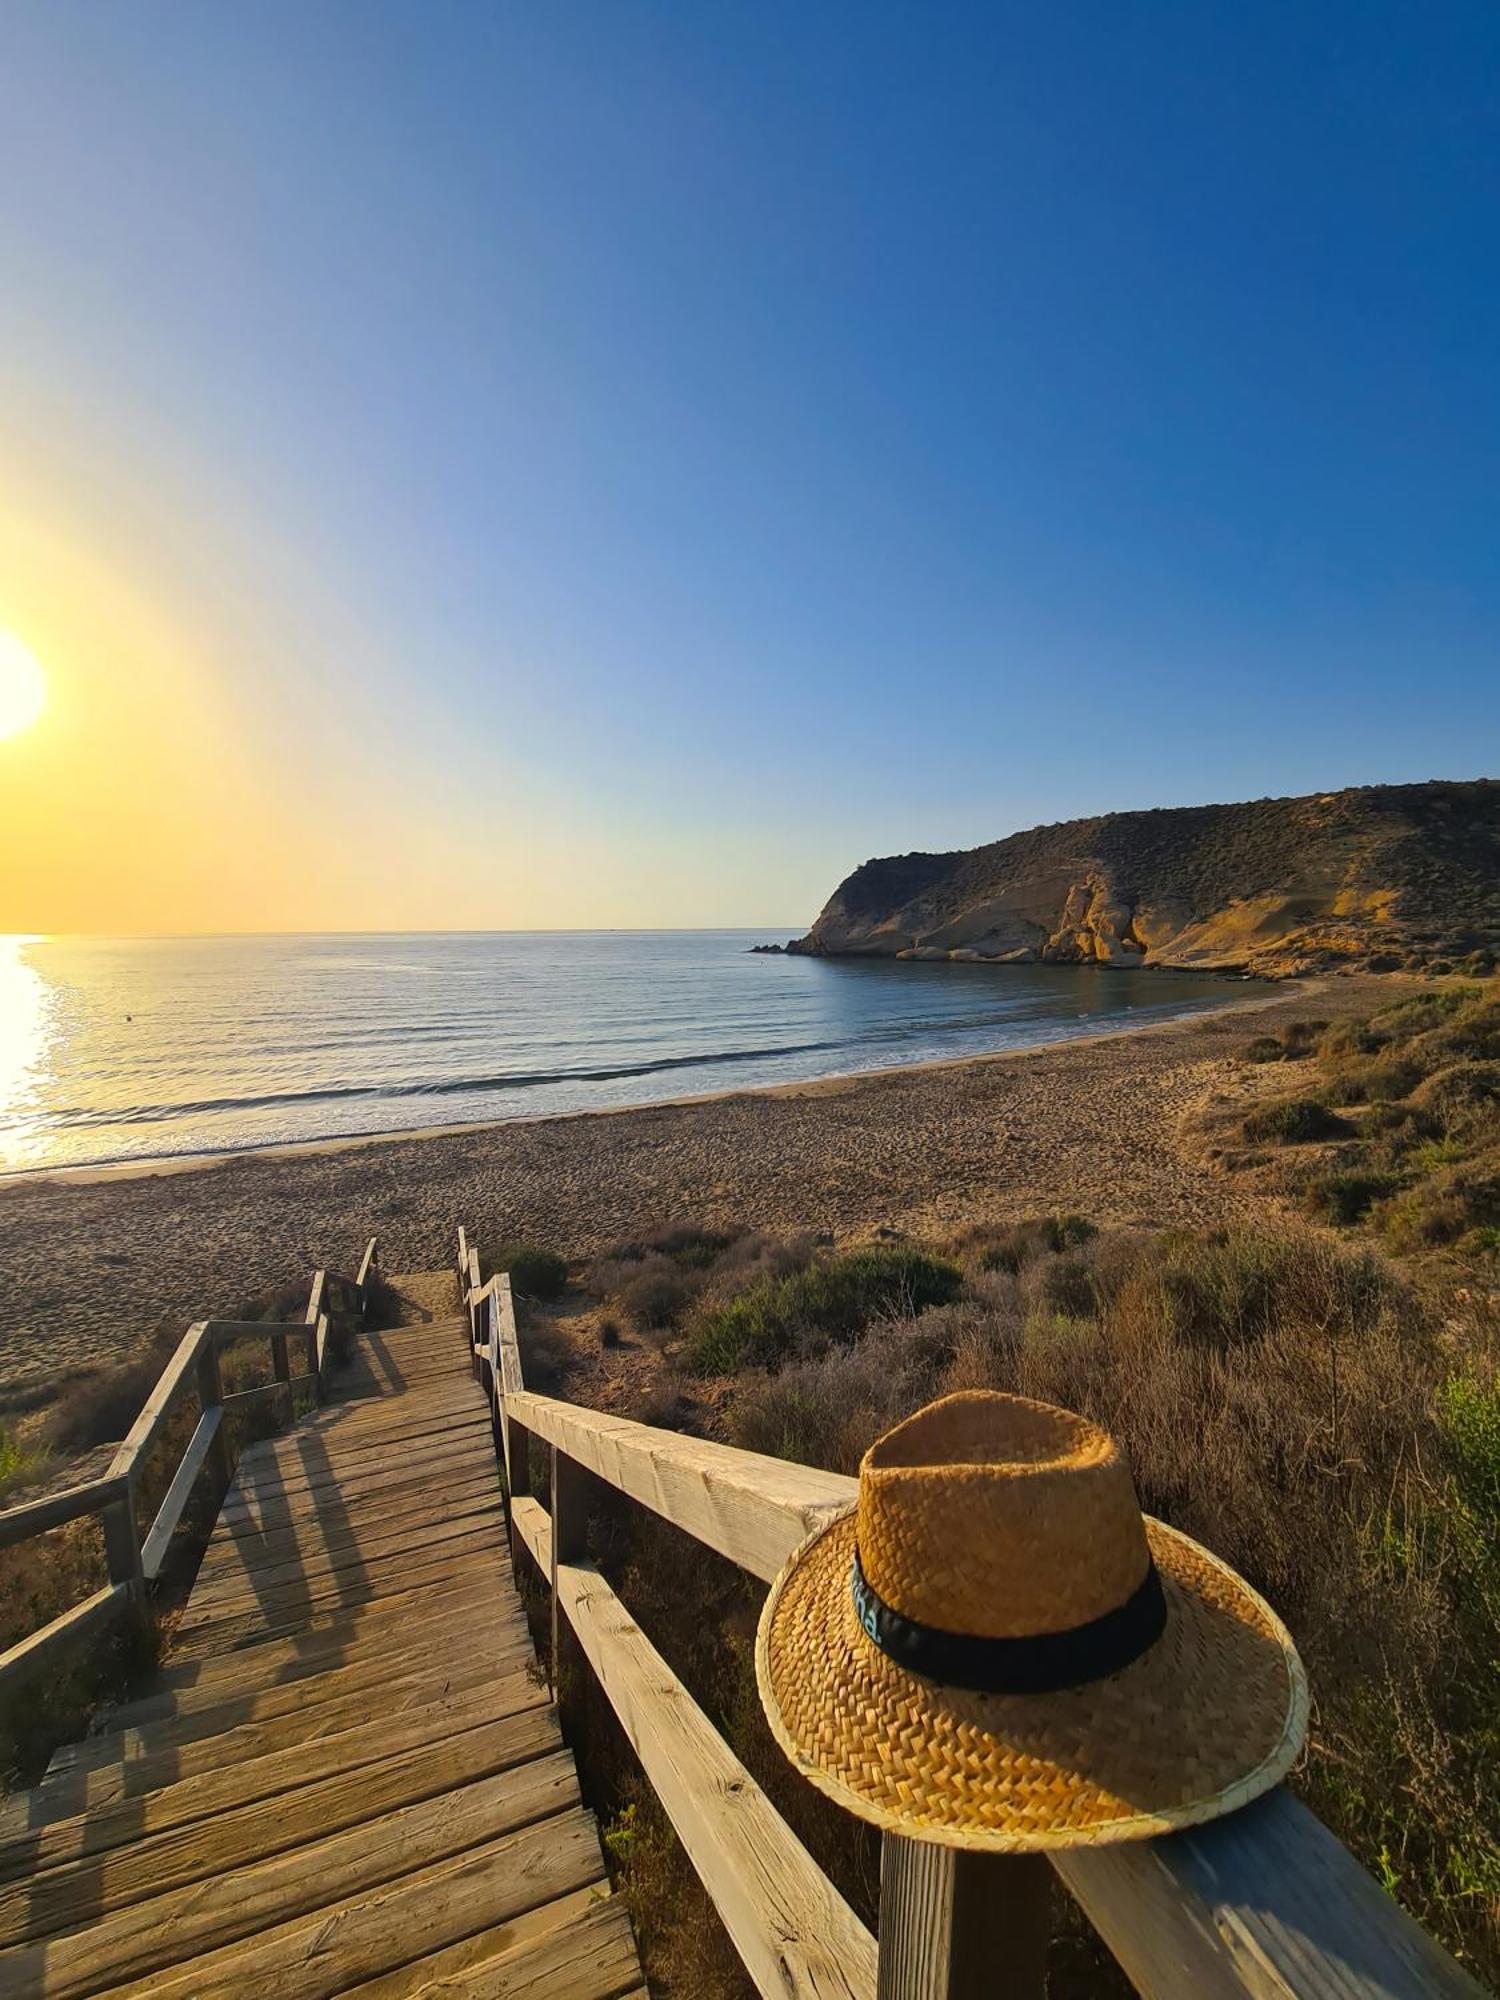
(135, 1561)
(793, 1930)
(1263, 1904)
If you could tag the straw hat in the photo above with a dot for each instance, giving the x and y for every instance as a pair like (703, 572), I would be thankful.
(995, 1649)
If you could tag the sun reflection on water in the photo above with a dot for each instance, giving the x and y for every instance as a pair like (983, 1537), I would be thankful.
(26, 1031)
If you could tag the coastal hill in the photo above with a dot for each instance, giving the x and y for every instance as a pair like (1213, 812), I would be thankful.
(1378, 877)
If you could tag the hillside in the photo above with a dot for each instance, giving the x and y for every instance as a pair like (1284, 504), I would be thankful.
(1380, 876)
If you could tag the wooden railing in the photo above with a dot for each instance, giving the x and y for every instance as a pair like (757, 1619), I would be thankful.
(1264, 1902)
(135, 1560)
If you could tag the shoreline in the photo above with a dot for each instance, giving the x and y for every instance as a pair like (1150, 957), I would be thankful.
(161, 1166)
(100, 1263)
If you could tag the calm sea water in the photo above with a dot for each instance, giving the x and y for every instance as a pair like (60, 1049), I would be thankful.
(124, 1048)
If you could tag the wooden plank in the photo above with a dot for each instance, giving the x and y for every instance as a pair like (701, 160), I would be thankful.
(28, 1656)
(1259, 1905)
(35, 1517)
(753, 1509)
(252, 1545)
(493, 1960)
(268, 1561)
(162, 1930)
(589, 1955)
(352, 1631)
(301, 1523)
(305, 1697)
(794, 1932)
(218, 1626)
(175, 1380)
(143, 1846)
(158, 1541)
(367, 1264)
(237, 1734)
(255, 1851)
(367, 1463)
(948, 1919)
(512, 1383)
(323, 1953)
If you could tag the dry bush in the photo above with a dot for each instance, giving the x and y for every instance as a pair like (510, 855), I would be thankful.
(1281, 1398)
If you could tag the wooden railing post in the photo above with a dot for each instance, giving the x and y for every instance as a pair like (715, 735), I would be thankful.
(572, 1499)
(122, 1552)
(281, 1368)
(311, 1318)
(210, 1387)
(956, 1925)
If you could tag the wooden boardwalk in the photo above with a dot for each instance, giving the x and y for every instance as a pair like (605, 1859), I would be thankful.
(348, 1776)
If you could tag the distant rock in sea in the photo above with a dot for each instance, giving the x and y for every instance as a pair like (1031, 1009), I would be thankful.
(1379, 877)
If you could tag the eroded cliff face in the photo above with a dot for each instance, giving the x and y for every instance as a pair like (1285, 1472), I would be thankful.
(1382, 876)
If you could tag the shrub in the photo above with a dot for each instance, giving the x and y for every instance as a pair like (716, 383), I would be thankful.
(1264, 1049)
(100, 1407)
(658, 1294)
(1470, 1411)
(1294, 1121)
(1039, 1235)
(1347, 1194)
(1464, 1097)
(828, 1301)
(534, 1273)
(1373, 1082)
(21, 1464)
(1442, 1209)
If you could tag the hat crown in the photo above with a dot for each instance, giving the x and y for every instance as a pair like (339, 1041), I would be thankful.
(999, 1517)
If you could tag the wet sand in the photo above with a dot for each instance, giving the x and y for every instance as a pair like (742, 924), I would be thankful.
(93, 1264)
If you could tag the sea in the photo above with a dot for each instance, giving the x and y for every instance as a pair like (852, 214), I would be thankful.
(133, 1049)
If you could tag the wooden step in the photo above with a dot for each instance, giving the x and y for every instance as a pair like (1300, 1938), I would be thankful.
(369, 1932)
(118, 1930)
(386, 1733)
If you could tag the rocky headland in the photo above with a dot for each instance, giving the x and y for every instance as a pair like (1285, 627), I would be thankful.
(1377, 878)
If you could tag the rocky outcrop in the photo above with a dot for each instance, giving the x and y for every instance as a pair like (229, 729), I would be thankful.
(1385, 875)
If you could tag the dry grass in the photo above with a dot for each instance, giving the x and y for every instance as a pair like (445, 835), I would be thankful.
(1300, 1409)
(1299, 1405)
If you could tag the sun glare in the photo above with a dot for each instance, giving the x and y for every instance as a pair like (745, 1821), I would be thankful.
(23, 686)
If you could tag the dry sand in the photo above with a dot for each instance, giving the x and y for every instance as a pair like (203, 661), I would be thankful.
(93, 1267)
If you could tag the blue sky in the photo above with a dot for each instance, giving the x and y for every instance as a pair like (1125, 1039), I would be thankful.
(707, 445)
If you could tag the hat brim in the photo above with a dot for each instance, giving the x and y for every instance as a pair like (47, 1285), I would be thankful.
(1207, 1719)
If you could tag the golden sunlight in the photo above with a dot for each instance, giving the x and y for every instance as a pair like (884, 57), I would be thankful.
(23, 687)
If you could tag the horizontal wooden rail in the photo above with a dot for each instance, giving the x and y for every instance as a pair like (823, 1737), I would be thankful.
(134, 1562)
(753, 1509)
(95, 1614)
(794, 1932)
(35, 1517)
(169, 1514)
(1263, 1902)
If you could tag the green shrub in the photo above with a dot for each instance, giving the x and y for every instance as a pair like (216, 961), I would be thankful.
(658, 1295)
(1347, 1194)
(534, 1273)
(1463, 1097)
(1039, 1235)
(1442, 1209)
(1373, 1082)
(834, 1300)
(1264, 1049)
(1470, 1412)
(21, 1464)
(1294, 1121)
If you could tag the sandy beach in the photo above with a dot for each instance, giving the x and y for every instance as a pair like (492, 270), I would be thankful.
(93, 1265)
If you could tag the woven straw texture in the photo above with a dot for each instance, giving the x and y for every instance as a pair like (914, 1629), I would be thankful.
(1206, 1720)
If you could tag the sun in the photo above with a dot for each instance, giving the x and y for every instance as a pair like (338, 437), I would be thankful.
(23, 686)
